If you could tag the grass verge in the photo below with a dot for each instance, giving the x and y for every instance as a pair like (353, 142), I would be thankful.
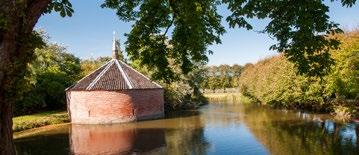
(227, 98)
(25, 122)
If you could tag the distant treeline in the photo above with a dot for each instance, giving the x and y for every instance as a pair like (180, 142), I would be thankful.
(222, 76)
(274, 81)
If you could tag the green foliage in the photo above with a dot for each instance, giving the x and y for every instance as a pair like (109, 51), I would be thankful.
(301, 28)
(90, 65)
(63, 7)
(344, 80)
(274, 80)
(182, 93)
(15, 87)
(222, 77)
(194, 26)
(48, 75)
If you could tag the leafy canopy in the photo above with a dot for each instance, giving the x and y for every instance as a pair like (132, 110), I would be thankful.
(51, 71)
(63, 7)
(194, 24)
(301, 28)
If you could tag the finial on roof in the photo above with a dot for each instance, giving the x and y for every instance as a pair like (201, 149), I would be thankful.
(114, 46)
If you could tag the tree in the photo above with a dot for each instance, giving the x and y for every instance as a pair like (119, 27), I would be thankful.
(299, 26)
(17, 42)
(90, 65)
(224, 76)
(196, 78)
(343, 80)
(213, 80)
(213, 83)
(274, 80)
(52, 70)
(236, 71)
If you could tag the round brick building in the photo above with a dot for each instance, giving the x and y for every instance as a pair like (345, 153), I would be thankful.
(114, 93)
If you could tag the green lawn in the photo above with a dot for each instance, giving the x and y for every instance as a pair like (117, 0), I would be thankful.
(40, 119)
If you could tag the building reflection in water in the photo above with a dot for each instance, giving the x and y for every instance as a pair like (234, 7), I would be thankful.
(115, 139)
(182, 134)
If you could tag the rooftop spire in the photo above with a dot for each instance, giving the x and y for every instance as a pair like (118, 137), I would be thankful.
(114, 46)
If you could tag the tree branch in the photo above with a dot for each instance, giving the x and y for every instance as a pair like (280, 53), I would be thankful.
(171, 3)
(33, 13)
(168, 27)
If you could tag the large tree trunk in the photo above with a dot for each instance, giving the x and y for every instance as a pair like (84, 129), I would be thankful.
(8, 78)
(16, 46)
(7, 46)
(7, 70)
(6, 143)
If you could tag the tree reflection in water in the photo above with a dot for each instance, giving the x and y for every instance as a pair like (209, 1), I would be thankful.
(288, 132)
(54, 141)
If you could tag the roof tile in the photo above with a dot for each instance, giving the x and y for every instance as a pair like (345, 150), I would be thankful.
(115, 76)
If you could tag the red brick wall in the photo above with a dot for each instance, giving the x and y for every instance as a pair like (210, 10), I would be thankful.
(106, 107)
(148, 104)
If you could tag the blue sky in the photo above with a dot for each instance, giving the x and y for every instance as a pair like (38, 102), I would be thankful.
(88, 33)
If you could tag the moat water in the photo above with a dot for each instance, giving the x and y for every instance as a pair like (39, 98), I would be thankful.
(213, 129)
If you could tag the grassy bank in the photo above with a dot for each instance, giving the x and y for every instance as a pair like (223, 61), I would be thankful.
(232, 98)
(21, 123)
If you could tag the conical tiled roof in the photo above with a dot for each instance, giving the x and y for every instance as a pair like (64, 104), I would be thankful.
(115, 75)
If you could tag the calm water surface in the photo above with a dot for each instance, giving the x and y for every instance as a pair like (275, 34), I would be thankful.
(213, 129)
